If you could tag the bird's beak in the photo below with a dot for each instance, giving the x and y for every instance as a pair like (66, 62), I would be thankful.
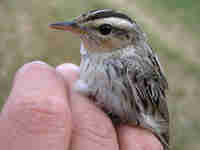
(68, 26)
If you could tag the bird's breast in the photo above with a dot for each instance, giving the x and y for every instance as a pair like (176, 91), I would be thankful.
(108, 78)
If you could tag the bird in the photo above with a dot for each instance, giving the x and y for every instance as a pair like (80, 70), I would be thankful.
(120, 71)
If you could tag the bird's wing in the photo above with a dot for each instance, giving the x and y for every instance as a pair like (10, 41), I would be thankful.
(149, 85)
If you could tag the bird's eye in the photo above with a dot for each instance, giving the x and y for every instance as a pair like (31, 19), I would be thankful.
(105, 29)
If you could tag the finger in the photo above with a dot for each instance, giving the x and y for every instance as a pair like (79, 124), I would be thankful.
(137, 138)
(92, 129)
(36, 115)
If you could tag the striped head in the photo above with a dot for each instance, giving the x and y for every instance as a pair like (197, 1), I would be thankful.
(103, 30)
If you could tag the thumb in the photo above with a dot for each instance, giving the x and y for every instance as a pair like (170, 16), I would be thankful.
(36, 115)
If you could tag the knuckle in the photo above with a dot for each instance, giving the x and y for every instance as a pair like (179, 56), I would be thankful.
(37, 118)
(96, 132)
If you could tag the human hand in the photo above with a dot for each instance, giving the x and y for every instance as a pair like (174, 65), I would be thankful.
(43, 113)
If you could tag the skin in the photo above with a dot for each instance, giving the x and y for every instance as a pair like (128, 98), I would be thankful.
(43, 113)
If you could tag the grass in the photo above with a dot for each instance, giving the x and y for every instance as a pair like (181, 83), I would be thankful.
(186, 12)
(188, 68)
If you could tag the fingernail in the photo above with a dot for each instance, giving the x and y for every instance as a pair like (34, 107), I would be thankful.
(68, 66)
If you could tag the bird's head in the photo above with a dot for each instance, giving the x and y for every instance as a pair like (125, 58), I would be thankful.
(103, 30)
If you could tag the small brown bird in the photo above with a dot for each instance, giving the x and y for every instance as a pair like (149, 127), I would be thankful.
(121, 71)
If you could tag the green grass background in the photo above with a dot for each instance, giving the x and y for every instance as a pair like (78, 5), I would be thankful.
(172, 27)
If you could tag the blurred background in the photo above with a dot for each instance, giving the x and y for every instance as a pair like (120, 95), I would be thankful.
(172, 27)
